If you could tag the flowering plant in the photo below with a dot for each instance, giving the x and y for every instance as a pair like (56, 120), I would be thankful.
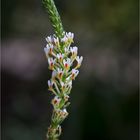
(64, 63)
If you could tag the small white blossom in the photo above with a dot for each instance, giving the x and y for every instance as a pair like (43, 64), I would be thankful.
(79, 61)
(60, 56)
(70, 36)
(59, 73)
(49, 39)
(63, 86)
(64, 39)
(51, 62)
(55, 102)
(54, 74)
(64, 113)
(64, 110)
(48, 49)
(52, 40)
(46, 52)
(56, 40)
(74, 73)
(50, 84)
(66, 97)
(74, 51)
(67, 63)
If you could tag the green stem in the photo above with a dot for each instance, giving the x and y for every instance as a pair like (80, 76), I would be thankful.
(54, 17)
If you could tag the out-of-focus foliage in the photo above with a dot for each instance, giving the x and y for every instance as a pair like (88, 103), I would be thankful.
(104, 99)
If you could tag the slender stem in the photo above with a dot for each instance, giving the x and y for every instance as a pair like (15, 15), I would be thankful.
(54, 17)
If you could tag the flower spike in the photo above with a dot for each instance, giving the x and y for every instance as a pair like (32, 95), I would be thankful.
(61, 60)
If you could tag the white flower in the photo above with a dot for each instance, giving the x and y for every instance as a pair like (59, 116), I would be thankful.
(65, 86)
(64, 113)
(50, 84)
(54, 74)
(79, 61)
(55, 102)
(64, 110)
(56, 40)
(66, 97)
(74, 73)
(51, 62)
(59, 73)
(48, 49)
(70, 36)
(74, 51)
(60, 56)
(67, 63)
(49, 39)
(52, 40)
(46, 52)
(62, 85)
(64, 39)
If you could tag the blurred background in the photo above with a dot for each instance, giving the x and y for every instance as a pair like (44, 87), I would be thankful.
(104, 98)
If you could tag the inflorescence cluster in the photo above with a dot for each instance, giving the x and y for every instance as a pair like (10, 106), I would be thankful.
(64, 63)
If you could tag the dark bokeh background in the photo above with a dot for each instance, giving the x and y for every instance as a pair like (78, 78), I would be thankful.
(104, 99)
